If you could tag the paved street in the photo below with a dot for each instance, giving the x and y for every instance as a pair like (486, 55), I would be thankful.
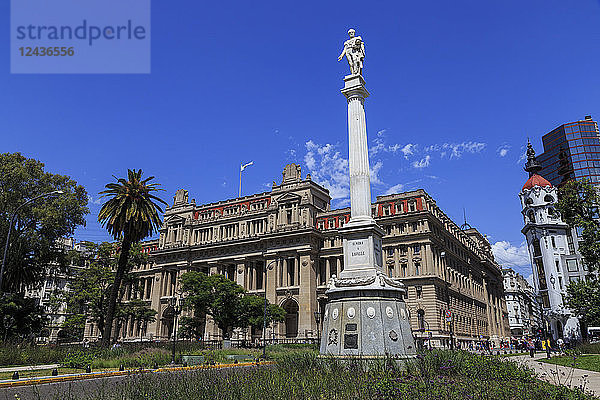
(60, 390)
(557, 374)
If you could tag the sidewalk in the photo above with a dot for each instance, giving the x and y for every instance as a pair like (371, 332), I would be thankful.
(560, 375)
(29, 368)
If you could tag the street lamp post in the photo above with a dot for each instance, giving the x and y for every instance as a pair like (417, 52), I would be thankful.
(11, 222)
(447, 285)
(176, 311)
(318, 320)
(429, 332)
(269, 267)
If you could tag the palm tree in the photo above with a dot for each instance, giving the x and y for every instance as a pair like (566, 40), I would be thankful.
(131, 214)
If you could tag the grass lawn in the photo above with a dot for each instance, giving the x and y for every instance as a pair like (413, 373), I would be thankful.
(591, 362)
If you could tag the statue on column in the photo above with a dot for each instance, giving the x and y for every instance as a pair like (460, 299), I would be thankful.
(354, 50)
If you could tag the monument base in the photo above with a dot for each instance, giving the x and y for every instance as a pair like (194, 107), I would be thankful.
(367, 316)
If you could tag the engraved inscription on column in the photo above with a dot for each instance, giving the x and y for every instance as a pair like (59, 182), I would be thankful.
(358, 251)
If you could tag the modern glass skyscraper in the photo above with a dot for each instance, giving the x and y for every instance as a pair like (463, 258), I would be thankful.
(572, 151)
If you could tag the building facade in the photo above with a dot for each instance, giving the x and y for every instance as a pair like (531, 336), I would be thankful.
(50, 294)
(552, 250)
(571, 151)
(524, 312)
(444, 267)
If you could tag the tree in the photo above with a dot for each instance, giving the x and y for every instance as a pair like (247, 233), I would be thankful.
(192, 327)
(253, 311)
(87, 299)
(20, 317)
(131, 214)
(39, 225)
(224, 301)
(578, 205)
(139, 311)
(583, 297)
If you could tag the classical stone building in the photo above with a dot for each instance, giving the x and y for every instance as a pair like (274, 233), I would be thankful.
(444, 267)
(50, 293)
(524, 312)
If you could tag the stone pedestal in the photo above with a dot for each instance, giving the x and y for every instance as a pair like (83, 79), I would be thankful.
(366, 314)
(367, 317)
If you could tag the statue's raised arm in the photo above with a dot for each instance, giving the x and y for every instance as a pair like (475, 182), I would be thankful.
(354, 50)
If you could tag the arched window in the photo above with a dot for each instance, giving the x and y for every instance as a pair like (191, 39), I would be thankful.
(529, 201)
(549, 199)
(291, 318)
(531, 216)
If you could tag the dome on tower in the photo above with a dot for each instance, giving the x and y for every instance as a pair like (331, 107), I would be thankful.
(536, 180)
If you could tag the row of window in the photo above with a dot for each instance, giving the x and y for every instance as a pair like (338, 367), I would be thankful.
(234, 210)
(397, 207)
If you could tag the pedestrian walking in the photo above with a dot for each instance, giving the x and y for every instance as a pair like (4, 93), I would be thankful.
(561, 345)
(531, 347)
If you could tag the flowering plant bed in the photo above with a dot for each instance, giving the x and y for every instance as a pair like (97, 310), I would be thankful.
(432, 375)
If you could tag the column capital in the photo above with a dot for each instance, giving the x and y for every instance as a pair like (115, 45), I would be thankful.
(354, 86)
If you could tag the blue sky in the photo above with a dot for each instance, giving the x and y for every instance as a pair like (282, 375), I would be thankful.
(456, 89)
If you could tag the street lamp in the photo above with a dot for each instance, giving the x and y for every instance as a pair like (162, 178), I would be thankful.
(318, 320)
(269, 267)
(11, 222)
(447, 286)
(176, 304)
(428, 330)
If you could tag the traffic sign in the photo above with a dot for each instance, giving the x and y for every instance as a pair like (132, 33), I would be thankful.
(448, 316)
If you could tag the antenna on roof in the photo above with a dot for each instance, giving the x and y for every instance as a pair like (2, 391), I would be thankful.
(466, 225)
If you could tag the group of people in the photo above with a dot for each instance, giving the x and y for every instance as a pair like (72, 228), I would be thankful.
(531, 344)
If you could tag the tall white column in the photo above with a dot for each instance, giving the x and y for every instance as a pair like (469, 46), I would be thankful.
(360, 186)
(362, 236)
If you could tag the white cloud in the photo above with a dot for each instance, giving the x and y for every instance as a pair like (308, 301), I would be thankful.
(423, 163)
(328, 168)
(512, 256)
(456, 150)
(503, 150)
(394, 148)
(409, 150)
(399, 188)
(378, 147)
(381, 133)
(374, 172)
(97, 201)
(341, 203)
(523, 157)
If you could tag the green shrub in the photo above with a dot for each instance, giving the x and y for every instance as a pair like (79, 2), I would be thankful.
(78, 359)
(589, 348)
